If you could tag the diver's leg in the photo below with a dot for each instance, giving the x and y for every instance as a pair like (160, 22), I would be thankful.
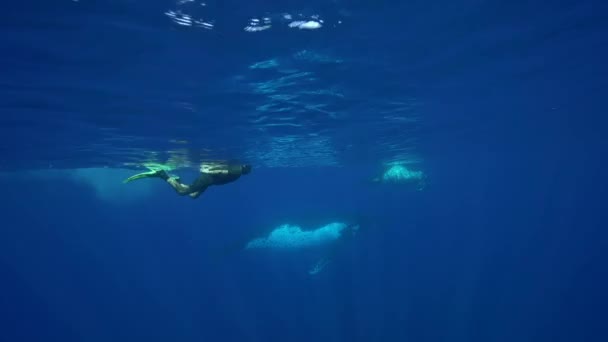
(195, 189)
(196, 194)
(200, 185)
(181, 189)
(174, 182)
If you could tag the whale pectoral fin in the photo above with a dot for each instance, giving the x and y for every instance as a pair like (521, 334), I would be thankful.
(318, 266)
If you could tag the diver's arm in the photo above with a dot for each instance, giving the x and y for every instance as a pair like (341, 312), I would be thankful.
(217, 171)
(235, 170)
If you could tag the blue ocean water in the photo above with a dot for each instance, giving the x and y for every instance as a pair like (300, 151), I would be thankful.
(501, 105)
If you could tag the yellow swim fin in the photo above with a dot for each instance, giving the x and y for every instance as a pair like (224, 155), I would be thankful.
(149, 174)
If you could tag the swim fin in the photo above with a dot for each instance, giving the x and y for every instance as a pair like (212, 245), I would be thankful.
(149, 174)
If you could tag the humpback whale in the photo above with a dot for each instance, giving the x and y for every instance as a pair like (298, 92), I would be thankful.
(293, 237)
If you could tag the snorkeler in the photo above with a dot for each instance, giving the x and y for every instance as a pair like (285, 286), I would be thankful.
(211, 174)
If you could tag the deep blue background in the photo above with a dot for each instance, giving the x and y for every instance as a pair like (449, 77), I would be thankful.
(492, 250)
(508, 242)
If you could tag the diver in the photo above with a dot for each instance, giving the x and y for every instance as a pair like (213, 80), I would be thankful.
(211, 174)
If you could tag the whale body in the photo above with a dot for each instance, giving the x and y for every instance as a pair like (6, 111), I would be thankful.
(291, 236)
